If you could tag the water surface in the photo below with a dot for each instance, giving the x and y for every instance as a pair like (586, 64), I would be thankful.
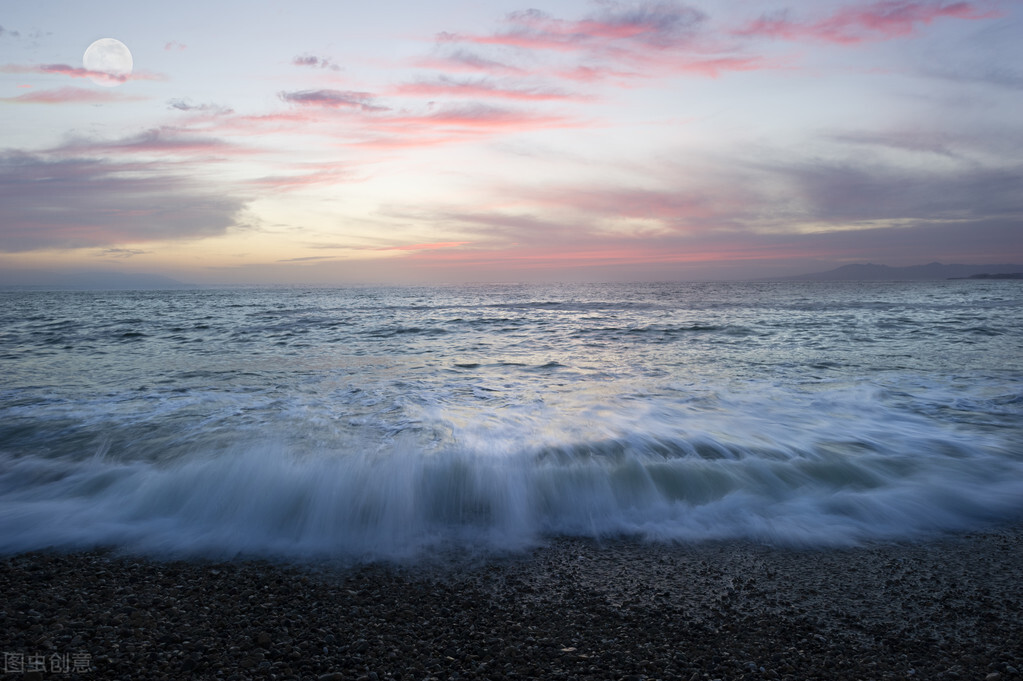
(389, 422)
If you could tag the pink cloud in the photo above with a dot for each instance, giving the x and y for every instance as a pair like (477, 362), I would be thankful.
(654, 24)
(620, 43)
(629, 203)
(860, 23)
(296, 121)
(464, 60)
(445, 86)
(598, 253)
(707, 67)
(71, 95)
(62, 69)
(595, 74)
(714, 67)
(478, 118)
(348, 118)
(308, 175)
(174, 46)
(78, 72)
(456, 122)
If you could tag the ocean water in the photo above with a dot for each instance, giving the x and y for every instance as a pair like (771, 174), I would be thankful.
(377, 423)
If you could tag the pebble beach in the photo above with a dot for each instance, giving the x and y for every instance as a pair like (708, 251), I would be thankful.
(948, 608)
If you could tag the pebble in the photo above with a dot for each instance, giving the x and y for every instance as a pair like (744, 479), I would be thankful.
(573, 609)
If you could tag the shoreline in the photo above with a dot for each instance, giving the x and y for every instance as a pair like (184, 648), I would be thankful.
(944, 608)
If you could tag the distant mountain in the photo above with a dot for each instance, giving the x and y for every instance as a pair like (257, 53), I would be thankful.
(90, 281)
(932, 271)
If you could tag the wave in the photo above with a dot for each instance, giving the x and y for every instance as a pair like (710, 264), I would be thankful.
(264, 500)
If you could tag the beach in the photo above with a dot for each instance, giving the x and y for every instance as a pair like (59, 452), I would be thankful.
(797, 480)
(571, 609)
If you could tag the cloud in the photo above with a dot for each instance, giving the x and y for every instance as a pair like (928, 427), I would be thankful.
(918, 141)
(764, 205)
(863, 22)
(482, 87)
(13, 34)
(308, 258)
(596, 74)
(694, 65)
(671, 208)
(621, 42)
(65, 70)
(122, 252)
(1002, 75)
(836, 192)
(425, 247)
(315, 62)
(188, 106)
(174, 46)
(457, 123)
(79, 72)
(332, 99)
(70, 95)
(307, 175)
(52, 202)
(533, 241)
(653, 24)
(465, 60)
(525, 242)
(422, 125)
(156, 141)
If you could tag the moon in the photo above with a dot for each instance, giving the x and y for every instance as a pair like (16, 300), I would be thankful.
(109, 60)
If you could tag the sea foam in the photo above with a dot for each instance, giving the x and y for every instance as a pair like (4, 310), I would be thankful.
(263, 500)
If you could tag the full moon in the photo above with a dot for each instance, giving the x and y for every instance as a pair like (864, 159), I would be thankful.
(110, 61)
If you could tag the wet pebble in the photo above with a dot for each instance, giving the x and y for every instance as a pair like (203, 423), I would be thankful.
(573, 609)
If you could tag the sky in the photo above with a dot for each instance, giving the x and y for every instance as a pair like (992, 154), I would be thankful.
(334, 142)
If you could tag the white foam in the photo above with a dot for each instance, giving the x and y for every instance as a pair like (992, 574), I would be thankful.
(265, 500)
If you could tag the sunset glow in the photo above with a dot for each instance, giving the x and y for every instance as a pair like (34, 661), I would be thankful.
(580, 140)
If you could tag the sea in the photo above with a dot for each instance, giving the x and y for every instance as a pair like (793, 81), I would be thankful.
(397, 423)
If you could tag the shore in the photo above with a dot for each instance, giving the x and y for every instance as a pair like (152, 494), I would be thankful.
(574, 609)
